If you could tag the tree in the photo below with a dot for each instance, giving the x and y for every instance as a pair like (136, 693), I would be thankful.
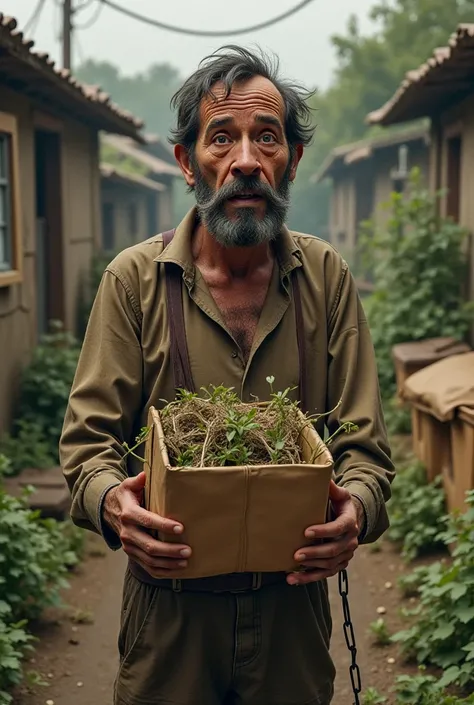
(369, 70)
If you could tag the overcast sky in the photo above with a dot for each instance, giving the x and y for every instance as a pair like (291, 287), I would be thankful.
(302, 42)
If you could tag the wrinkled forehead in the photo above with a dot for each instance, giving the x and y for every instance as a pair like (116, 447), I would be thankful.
(255, 95)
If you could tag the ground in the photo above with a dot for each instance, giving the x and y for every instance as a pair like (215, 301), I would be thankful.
(77, 653)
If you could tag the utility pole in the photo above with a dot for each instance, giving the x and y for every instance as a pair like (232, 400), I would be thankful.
(67, 33)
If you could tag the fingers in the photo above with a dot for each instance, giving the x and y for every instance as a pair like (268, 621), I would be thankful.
(157, 567)
(132, 513)
(135, 484)
(337, 493)
(329, 550)
(328, 564)
(342, 525)
(313, 576)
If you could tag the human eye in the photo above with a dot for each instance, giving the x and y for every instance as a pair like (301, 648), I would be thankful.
(221, 139)
(267, 138)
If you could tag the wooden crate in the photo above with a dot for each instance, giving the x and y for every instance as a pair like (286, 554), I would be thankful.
(413, 356)
(431, 440)
(458, 475)
(238, 519)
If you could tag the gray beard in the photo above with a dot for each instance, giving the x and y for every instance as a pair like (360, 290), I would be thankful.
(247, 229)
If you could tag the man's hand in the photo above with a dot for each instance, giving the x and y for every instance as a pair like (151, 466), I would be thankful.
(340, 540)
(123, 513)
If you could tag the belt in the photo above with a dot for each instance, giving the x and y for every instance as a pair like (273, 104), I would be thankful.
(233, 582)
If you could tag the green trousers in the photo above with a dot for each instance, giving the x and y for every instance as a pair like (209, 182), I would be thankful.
(260, 647)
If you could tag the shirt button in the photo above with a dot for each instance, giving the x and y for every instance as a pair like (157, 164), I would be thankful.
(235, 354)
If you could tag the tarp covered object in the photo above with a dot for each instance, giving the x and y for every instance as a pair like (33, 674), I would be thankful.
(443, 386)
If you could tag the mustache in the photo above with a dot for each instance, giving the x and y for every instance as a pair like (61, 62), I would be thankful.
(242, 185)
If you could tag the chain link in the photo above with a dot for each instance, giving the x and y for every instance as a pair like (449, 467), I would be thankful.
(349, 635)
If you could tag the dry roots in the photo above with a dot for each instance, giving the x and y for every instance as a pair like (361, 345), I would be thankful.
(221, 430)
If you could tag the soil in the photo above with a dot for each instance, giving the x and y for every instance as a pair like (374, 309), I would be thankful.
(77, 653)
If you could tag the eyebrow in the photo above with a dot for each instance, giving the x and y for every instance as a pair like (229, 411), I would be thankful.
(270, 119)
(228, 119)
(219, 122)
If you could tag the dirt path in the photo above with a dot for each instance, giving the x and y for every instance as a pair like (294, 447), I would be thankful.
(78, 656)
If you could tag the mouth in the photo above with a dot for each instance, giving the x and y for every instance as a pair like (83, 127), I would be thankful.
(246, 197)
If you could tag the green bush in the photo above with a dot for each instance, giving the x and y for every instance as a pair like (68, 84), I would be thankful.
(34, 557)
(14, 643)
(417, 690)
(416, 512)
(443, 630)
(425, 690)
(45, 387)
(419, 267)
(27, 449)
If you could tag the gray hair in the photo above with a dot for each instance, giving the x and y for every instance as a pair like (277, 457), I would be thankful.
(231, 64)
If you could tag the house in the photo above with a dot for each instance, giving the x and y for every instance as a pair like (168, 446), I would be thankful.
(133, 215)
(443, 90)
(50, 190)
(131, 207)
(363, 175)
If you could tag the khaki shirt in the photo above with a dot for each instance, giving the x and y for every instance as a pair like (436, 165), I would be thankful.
(125, 365)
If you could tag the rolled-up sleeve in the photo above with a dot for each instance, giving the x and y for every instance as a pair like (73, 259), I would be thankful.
(104, 403)
(362, 458)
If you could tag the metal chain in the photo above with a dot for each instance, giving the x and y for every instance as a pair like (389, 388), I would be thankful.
(354, 670)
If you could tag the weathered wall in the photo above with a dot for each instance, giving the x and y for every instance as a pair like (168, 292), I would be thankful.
(80, 210)
(80, 229)
(343, 211)
(122, 197)
(17, 302)
(459, 119)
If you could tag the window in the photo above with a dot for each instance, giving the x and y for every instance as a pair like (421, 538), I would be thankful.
(10, 236)
(108, 227)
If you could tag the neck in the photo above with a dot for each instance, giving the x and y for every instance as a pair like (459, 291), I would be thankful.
(232, 262)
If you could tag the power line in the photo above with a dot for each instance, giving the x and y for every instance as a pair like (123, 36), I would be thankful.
(93, 19)
(31, 24)
(205, 33)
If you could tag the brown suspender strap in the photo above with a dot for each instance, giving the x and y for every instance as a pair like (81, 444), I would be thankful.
(183, 378)
(300, 341)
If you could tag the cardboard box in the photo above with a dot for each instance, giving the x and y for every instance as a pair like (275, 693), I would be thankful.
(238, 519)
(458, 475)
(414, 356)
(431, 440)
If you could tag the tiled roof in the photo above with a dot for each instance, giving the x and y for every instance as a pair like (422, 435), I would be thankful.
(21, 65)
(112, 173)
(357, 151)
(130, 148)
(448, 73)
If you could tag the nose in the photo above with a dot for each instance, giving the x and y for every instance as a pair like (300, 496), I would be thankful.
(246, 161)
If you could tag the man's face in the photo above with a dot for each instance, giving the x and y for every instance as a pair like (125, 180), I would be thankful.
(241, 167)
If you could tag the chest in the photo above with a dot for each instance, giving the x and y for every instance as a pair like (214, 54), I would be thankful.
(240, 306)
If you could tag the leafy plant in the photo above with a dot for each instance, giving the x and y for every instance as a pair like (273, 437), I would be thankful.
(45, 387)
(34, 558)
(443, 628)
(419, 264)
(14, 643)
(425, 690)
(372, 697)
(416, 512)
(380, 632)
(27, 449)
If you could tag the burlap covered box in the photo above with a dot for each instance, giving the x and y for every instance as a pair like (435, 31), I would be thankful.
(413, 356)
(238, 519)
(435, 393)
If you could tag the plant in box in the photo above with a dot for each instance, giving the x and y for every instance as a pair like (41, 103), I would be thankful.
(225, 469)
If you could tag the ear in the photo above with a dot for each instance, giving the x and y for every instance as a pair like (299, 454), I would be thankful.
(182, 157)
(295, 161)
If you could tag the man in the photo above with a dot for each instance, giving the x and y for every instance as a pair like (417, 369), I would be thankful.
(256, 300)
